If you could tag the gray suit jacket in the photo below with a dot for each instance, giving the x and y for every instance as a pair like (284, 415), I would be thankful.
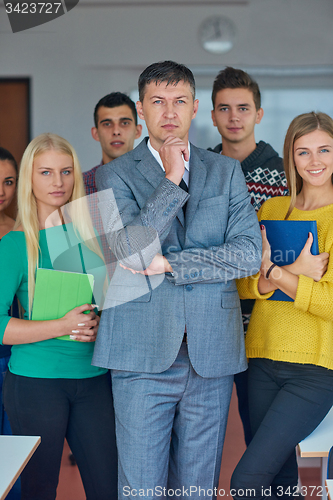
(219, 239)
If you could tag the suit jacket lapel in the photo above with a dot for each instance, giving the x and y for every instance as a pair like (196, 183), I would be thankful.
(147, 165)
(198, 174)
(151, 170)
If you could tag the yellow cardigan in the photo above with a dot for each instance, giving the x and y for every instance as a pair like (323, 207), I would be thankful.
(299, 331)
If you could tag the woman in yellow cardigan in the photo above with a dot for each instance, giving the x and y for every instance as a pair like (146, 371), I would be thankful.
(290, 344)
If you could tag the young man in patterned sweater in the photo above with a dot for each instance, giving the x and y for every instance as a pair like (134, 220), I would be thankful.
(236, 110)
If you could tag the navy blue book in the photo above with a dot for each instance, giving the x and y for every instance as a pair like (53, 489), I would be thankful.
(287, 239)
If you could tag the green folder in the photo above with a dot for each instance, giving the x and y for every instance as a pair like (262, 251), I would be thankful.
(58, 292)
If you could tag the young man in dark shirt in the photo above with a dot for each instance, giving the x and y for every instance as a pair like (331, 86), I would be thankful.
(236, 110)
(116, 128)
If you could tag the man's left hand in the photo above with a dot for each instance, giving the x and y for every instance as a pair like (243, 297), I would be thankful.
(159, 265)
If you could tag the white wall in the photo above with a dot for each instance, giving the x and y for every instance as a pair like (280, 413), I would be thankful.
(91, 51)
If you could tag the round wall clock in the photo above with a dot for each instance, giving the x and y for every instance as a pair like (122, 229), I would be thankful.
(217, 34)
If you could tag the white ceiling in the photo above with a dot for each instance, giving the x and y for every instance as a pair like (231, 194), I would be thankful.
(141, 3)
(103, 45)
(278, 39)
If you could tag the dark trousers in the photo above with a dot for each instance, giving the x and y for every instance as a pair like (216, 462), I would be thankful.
(80, 410)
(287, 401)
(241, 382)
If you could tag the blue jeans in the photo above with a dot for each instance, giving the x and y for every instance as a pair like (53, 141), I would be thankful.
(287, 402)
(170, 430)
(5, 430)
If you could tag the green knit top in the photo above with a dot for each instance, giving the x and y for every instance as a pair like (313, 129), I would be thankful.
(60, 249)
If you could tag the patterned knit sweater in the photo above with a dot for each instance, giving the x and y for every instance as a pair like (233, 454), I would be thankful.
(264, 174)
(265, 178)
(299, 331)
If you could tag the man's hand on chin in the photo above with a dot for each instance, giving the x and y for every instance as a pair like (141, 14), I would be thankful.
(159, 265)
(173, 152)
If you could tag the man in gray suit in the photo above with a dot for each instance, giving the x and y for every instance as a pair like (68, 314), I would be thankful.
(180, 222)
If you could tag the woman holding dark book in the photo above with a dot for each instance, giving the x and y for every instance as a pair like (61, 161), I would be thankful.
(51, 389)
(290, 344)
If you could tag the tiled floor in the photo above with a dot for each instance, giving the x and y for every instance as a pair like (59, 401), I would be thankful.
(70, 485)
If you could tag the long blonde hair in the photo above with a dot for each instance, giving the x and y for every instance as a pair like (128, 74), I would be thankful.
(27, 207)
(301, 125)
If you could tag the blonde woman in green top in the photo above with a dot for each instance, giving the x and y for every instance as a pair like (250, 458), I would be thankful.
(51, 389)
